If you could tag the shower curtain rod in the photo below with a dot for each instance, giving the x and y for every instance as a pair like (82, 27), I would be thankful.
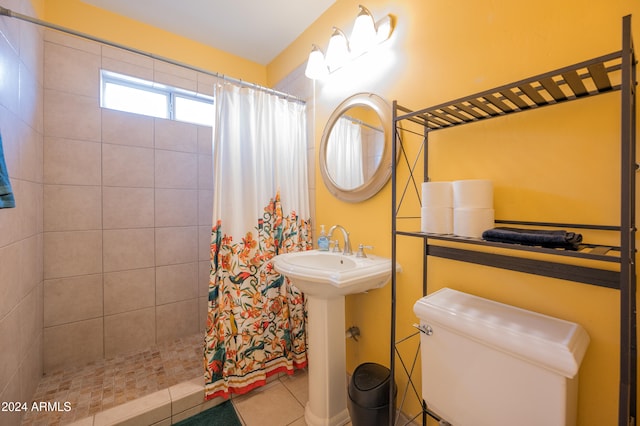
(11, 14)
(363, 123)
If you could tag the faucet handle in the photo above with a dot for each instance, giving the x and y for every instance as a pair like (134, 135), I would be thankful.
(336, 246)
(361, 252)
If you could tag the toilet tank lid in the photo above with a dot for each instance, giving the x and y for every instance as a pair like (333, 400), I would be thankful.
(552, 343)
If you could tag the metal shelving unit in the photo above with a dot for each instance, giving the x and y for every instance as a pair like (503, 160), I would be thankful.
(605, 74)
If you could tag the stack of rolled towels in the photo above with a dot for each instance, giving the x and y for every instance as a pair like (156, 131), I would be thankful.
(437, 208)
(473, 211)
(463, 207)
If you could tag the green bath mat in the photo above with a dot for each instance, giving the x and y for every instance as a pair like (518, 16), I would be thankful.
(220, 415)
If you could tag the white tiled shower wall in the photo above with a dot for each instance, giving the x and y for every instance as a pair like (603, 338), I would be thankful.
(127, 209)
(21, 228)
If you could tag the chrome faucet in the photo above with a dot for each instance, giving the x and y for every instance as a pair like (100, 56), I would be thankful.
(347, 244)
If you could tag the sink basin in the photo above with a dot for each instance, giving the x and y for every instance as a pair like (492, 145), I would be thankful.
(326, 274)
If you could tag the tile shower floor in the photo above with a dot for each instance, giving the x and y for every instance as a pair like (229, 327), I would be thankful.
(105, 384)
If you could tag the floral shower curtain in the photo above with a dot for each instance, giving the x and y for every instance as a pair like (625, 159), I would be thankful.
(256, 318)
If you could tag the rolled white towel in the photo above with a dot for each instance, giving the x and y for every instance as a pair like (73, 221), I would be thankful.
(473, 194)
(437, 220)
(472, 222)
(437, 194)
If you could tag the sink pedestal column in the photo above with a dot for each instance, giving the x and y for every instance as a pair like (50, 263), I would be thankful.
(327, 405)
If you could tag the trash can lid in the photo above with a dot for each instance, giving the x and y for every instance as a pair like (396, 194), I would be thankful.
(370, 375)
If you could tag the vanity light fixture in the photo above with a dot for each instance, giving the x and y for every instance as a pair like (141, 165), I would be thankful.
(366, 34)
(316, 66)
(363, 36)
(338, 52)
(384, 27)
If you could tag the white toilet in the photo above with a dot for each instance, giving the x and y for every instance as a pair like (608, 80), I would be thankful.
(485, 363)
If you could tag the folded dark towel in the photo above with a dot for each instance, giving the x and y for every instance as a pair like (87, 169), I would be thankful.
(534, 237)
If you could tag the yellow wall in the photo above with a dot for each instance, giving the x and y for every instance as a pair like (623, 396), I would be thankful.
(38, 7)
(88, 19)
(555, 164)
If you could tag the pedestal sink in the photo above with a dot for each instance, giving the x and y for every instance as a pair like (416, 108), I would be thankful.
(325, 278)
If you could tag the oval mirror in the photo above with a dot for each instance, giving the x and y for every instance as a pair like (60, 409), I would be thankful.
(355, 149)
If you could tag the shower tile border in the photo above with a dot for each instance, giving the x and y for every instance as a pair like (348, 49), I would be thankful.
(167, 406)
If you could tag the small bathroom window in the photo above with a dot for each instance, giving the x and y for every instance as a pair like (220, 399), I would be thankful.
(138, 96)
(193, 109)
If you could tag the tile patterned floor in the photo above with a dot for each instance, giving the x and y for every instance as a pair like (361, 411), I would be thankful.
(279, 403)
(113, 381)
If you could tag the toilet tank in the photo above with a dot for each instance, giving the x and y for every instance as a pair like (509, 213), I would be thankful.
(485, 363)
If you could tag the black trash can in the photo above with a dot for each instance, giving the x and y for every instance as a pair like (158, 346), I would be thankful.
(369, 390)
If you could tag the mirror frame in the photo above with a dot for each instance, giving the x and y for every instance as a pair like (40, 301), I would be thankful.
(383, 172)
